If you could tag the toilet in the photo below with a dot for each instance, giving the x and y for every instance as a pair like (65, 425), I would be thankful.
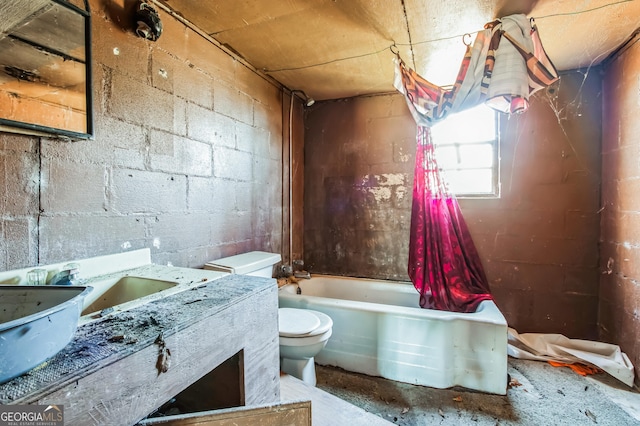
(303, 332)
(254, 263)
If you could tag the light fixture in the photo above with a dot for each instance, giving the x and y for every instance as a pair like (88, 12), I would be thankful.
(308, 101)
(147, 20)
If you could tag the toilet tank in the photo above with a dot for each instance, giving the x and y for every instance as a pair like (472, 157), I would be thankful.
(255, 263)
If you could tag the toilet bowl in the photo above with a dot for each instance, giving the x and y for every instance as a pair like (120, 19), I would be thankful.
(303, 334)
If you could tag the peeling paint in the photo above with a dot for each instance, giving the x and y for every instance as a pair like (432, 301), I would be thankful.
(609, 269)
(380, 194)
(388, 179)
(126, 245)
(404, 158)
(382, 191)
(385, 179)
(401, 191)
(156, 243)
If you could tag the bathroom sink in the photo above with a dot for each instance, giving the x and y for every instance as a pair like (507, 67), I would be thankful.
(36, 322)
(112, 292)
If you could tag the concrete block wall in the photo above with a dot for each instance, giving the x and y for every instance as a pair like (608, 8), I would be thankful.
(186, 160)
(619, 307)
(358, 181)
(538, 242)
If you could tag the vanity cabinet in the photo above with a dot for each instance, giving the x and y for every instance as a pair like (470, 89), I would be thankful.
(120, 370)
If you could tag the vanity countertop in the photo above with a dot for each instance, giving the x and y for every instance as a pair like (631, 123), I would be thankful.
(184, 319)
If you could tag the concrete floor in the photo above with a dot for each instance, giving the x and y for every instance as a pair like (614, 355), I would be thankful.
(542, 395)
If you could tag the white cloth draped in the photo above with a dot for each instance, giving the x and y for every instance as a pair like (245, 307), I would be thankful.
(505, 65)
(556, 347)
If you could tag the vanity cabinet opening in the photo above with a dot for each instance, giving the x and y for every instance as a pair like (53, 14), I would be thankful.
(217, 399)
(223, 387)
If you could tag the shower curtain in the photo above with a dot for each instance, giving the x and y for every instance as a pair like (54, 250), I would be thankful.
(505, 65)
(444, 265)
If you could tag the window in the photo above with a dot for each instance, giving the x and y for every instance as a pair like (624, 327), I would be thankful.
(466, 146)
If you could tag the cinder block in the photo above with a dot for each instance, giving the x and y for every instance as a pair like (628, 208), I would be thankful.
(379, 108)
(213, 194)
(404, 151)
(175, 154)
(254, 85)
(622, 163)
(609, 321)
(582, 281)
(174, 232)
(581, 224)
(269, 117)
(19, 243)
(255, 140)
(180, 117)
(575, 315)
(194, 85)
(628, 191)
(193, 49)
(162, 73)
(232, 164)
(386, 130)
(247, 195)
(534, 223)
(62, 193)
(631, 300)
(267, 174)
(135, 192)
(118, 143)
(488, 223)
(618, 323)
(203, 125)
(565, 196)
(229, 101)
(139, 103)
(524, 276)
(77, 237)
(19, 191)
(231, 227)
(628, 259)
(626, 227)
(118, 48)
(19, 144)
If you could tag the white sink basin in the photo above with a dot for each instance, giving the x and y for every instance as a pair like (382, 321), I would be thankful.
(113, 292)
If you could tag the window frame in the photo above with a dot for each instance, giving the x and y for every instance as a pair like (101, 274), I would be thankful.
(495, 168)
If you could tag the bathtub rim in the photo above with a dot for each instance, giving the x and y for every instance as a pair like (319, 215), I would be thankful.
(487, 311)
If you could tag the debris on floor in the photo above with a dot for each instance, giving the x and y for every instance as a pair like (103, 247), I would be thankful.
(581, 369)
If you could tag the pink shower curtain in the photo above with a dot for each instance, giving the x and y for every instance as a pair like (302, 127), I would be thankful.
(505, 65)
(444, 265)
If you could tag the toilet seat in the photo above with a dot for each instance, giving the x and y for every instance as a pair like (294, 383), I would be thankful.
(298, 323)
(304, 341)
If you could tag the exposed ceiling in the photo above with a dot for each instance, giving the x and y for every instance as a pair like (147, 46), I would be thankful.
(340, 48)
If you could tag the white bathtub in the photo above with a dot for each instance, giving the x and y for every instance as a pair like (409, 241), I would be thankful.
(380, 330)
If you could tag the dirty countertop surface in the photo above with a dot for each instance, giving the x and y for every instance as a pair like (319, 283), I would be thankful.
(121, 334)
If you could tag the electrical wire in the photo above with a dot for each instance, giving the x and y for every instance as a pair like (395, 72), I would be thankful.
(325, 63)
(436, 39)
(586, 10)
